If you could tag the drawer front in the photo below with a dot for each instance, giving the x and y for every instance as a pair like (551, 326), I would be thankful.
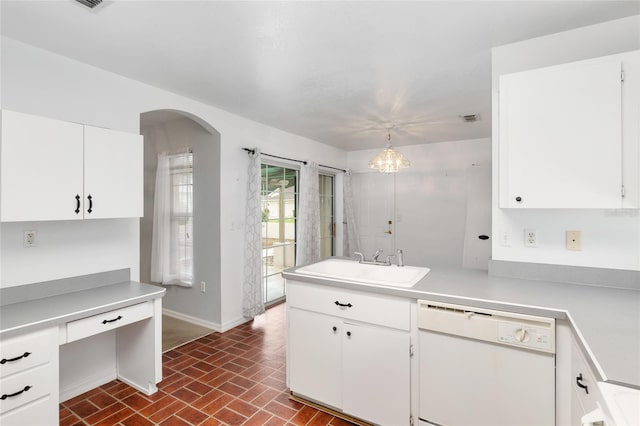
(372, 308)
(41, 412)
(23, 388)
(108, 321)
(26, 351)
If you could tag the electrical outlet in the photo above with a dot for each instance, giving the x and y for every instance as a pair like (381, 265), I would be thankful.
(530, 238)
(573, 240)
(203, 286)
(29, 238)
(505, 239)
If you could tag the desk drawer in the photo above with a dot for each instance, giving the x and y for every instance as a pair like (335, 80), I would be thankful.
(22, 388)
(28, 350)
(108, 321)
(372, 308)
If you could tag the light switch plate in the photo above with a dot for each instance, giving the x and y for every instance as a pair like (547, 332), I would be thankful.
(574, 240)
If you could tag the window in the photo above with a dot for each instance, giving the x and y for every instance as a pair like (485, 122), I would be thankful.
(181, 167)
(327, 221)
(279, 201)
(172, 243)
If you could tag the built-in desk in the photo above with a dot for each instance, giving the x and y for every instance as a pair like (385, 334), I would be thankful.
(61, 338)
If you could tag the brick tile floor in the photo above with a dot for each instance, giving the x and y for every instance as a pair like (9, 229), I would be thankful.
(232, 378)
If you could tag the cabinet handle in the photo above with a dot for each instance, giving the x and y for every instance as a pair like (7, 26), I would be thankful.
(580, 385)
(113, 320)
(5, 396)
(90, 209)
(77, 204)
(343, 305)
(519, 199)
(24, 355)
(334, 328)
(348, 334)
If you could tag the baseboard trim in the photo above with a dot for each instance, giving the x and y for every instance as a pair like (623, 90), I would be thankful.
(85, 386)
(220, 328)
(193, 320)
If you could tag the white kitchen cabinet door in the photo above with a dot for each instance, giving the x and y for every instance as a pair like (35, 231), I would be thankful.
(315, 356)
(561, 136)
(41, 168)
(113, 174)
(376, 380)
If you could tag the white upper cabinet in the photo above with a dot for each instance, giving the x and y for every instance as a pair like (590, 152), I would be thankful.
(113, 177)
(56, 170)
(561, 135)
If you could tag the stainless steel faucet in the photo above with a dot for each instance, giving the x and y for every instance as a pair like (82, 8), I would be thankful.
(400, 258)
(359, 255)
(377, 255)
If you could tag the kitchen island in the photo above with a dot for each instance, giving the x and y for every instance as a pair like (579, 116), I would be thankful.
(604, 321)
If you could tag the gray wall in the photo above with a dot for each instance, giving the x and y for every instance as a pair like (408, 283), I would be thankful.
(172, 136)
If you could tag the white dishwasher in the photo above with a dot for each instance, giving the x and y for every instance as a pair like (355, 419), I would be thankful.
(484, 367)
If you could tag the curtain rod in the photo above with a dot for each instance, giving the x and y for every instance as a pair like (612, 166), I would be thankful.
(253, 151)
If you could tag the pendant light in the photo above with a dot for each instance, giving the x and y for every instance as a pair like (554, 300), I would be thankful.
(389, 160)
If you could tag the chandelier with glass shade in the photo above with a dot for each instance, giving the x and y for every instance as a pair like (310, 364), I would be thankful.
(389, 160)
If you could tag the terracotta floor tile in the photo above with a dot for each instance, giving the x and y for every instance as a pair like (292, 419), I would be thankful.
(192, 415)
(232, 378)
(229, 417)
(136, 420)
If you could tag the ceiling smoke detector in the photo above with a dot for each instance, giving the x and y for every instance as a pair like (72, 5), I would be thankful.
(90, 3)
(470, 118)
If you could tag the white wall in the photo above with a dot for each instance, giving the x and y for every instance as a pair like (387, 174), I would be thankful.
(428, 203)
(610, 238)
(39, 82)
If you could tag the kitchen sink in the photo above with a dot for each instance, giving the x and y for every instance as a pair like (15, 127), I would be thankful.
(352, 271)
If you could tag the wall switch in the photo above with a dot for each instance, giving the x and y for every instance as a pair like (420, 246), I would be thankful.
(30, 238)
(505, 239)
(574, 240)
(203, 286)
(530, 238)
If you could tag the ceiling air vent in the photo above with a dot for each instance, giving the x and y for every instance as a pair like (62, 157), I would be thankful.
(90, 3)
(471, 118)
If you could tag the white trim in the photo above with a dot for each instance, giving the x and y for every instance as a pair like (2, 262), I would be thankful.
(193, 320)
(86, 385)
(234, 323)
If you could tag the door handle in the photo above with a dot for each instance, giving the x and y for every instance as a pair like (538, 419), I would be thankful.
(90, 198)
(77, 204)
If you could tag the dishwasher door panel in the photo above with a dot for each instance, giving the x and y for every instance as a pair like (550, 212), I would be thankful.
(467, 382)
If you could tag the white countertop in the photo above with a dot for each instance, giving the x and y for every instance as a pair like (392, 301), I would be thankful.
(33, 314)
(606, 319)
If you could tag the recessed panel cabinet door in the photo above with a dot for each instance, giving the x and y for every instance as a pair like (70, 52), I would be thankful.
(113, 174)
(315, 356)
(41, 168)
(561, 136)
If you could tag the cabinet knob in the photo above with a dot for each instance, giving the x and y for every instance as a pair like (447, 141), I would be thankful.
(519, 199)
(348, 334)
(335, 328)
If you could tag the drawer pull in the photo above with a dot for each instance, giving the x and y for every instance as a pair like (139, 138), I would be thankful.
(5, 396)
(580, 385)
(113, 320)
(343, 305)
(24, 355)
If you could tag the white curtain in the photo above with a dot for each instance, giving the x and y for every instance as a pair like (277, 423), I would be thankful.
(308, 216)
(172, 241)
(252, 300)
(351, 240)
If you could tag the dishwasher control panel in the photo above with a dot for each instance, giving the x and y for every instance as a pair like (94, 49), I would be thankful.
(525, 335)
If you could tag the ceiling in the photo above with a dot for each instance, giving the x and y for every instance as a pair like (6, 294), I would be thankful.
(337, 72)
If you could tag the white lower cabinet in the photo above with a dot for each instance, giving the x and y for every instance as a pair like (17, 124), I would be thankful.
(349, 365)
(585, 395)
(29, 379)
